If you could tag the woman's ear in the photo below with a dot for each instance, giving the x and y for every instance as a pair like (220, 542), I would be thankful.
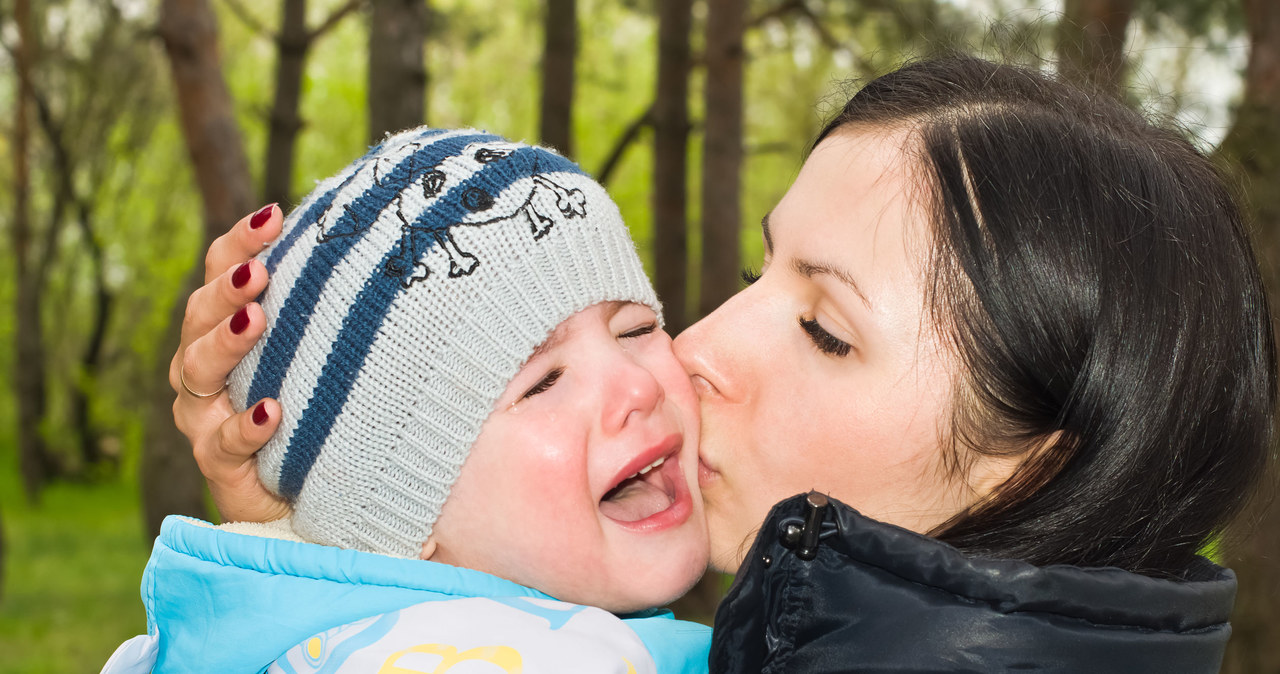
(428, 549)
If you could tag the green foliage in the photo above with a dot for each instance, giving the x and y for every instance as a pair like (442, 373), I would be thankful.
(73, 572)
(1197, 17)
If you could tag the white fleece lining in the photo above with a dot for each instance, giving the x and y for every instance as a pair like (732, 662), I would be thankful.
(279, 529)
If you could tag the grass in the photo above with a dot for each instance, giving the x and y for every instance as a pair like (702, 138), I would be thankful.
(72, 570)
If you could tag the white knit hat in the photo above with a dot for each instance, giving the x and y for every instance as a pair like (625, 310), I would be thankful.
(405, 294)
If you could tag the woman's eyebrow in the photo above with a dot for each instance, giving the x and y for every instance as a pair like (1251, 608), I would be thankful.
(809, 269)
(768, 237)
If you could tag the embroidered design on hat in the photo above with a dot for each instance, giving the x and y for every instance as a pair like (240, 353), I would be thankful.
(502, 182)
(385, 366)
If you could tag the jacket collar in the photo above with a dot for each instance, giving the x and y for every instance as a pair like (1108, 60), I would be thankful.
(227, 602)
(875, 597)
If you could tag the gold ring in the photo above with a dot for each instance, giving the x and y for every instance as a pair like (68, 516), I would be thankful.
(182, 378)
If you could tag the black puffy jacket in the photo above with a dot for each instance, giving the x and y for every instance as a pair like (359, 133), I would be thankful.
(872, 597)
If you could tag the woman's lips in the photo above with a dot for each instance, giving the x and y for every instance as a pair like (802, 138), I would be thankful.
(705, 473)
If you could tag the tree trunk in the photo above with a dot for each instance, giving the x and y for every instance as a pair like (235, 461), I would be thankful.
(1253, 146)
(291, 56)
(558, 58)
(87, 433)
(1091, 39)
(66, 197)
(29, 363)
(397, 66)
(91, 359)
(670, 161)
(171, 483)
(722, 154)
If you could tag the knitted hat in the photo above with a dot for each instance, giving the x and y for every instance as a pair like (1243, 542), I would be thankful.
(405, 294)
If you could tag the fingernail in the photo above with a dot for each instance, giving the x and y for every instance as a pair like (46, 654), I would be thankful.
(260, 414)
(241, 275)
(260, 218)
(240, 321)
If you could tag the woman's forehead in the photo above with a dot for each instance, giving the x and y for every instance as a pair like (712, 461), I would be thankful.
(855, 197)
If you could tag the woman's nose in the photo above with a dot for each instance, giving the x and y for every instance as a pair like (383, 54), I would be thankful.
(709, 348)
(631, 392)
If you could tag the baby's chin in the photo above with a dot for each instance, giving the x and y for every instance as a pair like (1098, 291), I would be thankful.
(653, 594)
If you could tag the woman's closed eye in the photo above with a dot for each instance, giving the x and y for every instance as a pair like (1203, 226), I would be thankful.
(749, 275)
(543, 384)
(825, 341)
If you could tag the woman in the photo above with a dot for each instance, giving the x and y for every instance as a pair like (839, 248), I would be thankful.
(995, 310)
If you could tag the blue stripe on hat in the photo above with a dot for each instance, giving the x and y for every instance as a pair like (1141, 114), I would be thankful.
(322, 203)
(361, 325)
(501, 174)
(295, 314)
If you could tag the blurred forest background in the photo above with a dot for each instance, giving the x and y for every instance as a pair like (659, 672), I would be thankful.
(136, 131)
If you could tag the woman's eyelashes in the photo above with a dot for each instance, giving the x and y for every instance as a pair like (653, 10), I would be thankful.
(543, 384)
(749, 275)
(825, 341)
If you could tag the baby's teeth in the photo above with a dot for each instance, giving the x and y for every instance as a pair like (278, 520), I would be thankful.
(651, 466)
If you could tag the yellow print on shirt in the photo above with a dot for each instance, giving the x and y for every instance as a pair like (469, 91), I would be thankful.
(504, 657)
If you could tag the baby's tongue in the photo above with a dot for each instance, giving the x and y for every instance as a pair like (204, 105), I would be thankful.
(634, 500)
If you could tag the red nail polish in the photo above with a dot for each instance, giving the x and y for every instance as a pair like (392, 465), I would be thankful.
(241, 275)
(260, 414)
(260, 218)
(240, 321)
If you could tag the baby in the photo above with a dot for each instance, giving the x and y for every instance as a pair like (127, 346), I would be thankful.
(472, 370)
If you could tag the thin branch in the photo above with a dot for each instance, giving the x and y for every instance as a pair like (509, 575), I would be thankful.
(907, 21)
(787, 7)
(51, 128)
(825, 35)
(248, 19)
(624, 141)
(828, 39)
(332, 20)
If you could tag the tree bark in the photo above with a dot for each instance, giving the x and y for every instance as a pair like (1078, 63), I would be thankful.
(1091, 40)
(293, 43)
(291, 56)
(670, 161)
(397, 66)
(558, 58)
(29, 364)
(1253, 148)
(722, 154)
(171, 483)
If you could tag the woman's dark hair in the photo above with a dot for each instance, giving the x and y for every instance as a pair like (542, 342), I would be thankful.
(1095, 277)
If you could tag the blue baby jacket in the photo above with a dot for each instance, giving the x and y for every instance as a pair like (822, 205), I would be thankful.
(219, 601)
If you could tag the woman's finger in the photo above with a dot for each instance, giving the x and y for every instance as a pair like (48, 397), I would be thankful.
(244, 241)
(228, 463)
(219, 299)
(200, 370)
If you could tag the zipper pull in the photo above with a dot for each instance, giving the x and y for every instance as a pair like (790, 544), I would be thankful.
(804, 538)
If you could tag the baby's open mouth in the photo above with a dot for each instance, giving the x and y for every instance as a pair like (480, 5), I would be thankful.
(644, 494)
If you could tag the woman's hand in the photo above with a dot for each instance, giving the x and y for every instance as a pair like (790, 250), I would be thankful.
(221, 325)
